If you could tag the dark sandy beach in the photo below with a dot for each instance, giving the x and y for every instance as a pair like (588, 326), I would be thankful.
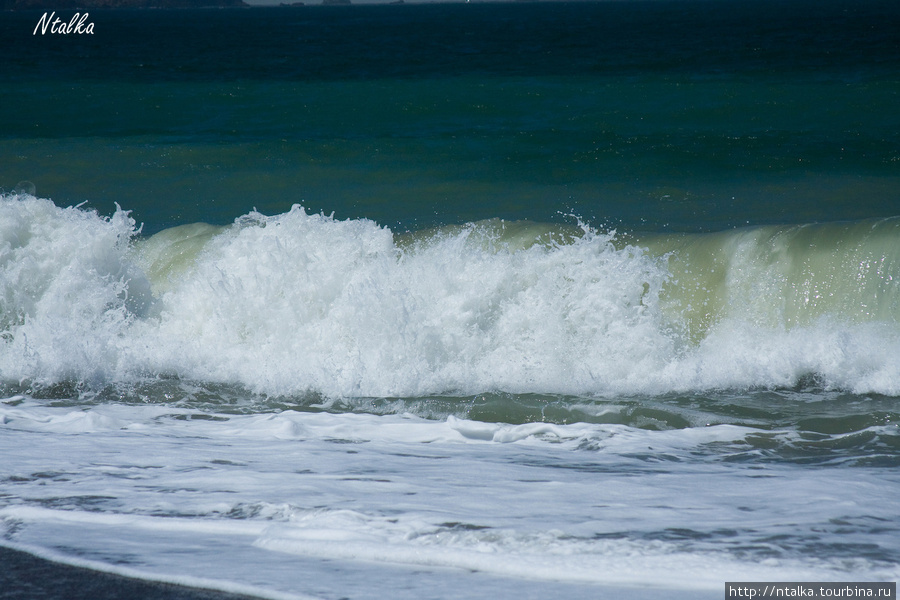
(27, 577)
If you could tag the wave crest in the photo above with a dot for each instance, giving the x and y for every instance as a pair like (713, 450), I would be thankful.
(304, 303)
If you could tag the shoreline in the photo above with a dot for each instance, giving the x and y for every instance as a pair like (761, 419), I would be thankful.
(25, 576)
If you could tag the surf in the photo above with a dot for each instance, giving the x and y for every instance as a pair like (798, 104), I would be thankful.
(300, 303)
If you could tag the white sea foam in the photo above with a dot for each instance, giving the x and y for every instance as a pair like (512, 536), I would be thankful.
(352, 428)
(68, 290)
(298, 303)
(534, 504)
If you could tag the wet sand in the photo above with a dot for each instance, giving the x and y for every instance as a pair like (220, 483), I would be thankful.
(24, 576)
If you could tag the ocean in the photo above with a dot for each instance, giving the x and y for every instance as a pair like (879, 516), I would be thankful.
(464, 300)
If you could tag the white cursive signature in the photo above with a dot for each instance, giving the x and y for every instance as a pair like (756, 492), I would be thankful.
(75, 25)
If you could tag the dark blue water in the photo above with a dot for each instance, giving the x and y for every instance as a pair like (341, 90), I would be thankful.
(830, 39)
(669, 115)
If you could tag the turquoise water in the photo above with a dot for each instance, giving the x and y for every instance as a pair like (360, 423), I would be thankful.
(664, 116)
(629, 270)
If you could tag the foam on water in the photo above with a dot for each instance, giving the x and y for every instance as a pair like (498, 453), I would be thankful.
(254, 498)
(304, 303)
(68, 290)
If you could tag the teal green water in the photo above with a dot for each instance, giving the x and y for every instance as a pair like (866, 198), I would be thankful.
(664, 116)
(661, 154)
